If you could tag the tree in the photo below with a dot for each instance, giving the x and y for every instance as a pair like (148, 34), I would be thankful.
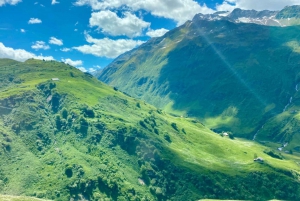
(84, 125)
(64, 113)
(58, 122)
(174, 125)
(231, 136)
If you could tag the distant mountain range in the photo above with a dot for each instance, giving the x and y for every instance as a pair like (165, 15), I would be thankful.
(233, 76)
(289, 16)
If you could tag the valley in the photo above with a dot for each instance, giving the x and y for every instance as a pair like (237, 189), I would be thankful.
(194, 102)
(78, 138)
(237, 77)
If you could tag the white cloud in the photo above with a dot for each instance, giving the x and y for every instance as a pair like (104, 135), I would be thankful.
(157, 32)
(55, 41)
(97, 66)
(109, 22)
(34, 21)
(23, 30)
(178, 10)
(107, 47)
(72, 63)
(40, 45)
(54, 2)
(19, 54)
(82, 69)
(10, 2)
(66, 49)
(229, 5)
(91, 70)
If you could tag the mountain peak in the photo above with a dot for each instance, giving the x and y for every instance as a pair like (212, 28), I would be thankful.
(289, 12)
(238, 13)
(288, 16)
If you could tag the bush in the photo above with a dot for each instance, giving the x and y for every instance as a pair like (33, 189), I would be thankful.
(142, 123)
(69, 171)
(64, 113)
(174, 125)
(167, 137)
(89, 112)
(69, 120)
(83, 125)
(273, 154)
(58, 122)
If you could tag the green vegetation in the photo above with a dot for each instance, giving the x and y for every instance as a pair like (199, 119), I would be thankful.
(19, 198)
(289, 12)
(234, 77)
(77, 138)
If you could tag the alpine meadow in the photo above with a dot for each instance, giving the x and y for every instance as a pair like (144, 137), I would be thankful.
(208, 109)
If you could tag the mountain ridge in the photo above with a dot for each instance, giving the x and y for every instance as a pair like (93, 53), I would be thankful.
(77, 138)
(286, 17)
(181, 69)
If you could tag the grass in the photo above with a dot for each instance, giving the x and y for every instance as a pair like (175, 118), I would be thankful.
(108, 155)
(204, 76)
(19, 198)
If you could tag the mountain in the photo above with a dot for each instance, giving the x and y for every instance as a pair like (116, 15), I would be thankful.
(64, 135)
(288, 16)
(289, 12)
(231, 76)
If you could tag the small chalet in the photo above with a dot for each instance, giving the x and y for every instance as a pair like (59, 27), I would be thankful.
(259, 159)
(55, 79)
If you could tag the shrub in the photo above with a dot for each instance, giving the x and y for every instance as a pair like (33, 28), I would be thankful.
(174, 125)
(89, 112)
(84, 125)
(6, 146)
(69, 171)
(142, 123)
(58, 122)
(69, 120)
(52, 85)
(64, 113)
(167, 137)
(273, 154)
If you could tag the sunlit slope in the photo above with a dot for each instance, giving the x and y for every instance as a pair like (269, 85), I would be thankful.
(232, 77)
(78, 138)
(19, 198)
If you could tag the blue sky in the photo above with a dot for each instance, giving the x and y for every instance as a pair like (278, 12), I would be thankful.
(89, 34)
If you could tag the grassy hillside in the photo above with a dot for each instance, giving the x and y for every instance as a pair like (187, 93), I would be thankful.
(232, 77)
(78, 138)
(18, 198)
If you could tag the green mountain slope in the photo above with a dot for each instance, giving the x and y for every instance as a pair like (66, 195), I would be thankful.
(232, 77)
(78, 139)
(18, 198)
(289, 16)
